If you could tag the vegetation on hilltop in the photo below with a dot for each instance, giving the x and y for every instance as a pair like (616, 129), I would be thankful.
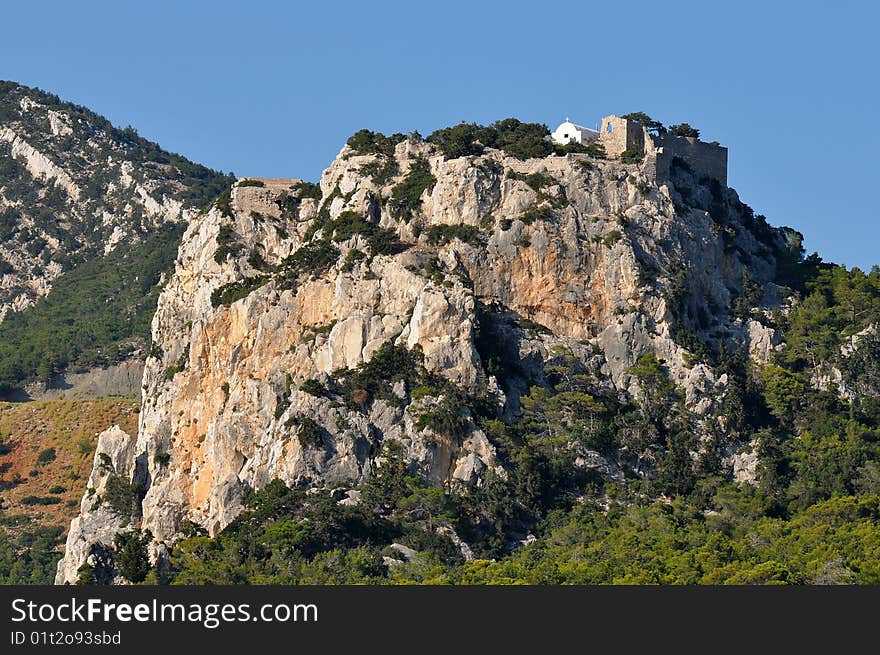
(365, 142)
(684, 130)
(656, 127)
(515, 138)
(512, 136)
(640, 117)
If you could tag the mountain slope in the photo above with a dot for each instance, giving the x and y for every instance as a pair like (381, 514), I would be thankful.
(75, 191)
(46, 448)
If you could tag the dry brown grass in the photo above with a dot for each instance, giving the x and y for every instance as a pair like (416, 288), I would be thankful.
(71, 427)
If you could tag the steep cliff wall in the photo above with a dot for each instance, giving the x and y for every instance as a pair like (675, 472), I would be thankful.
(278, 294)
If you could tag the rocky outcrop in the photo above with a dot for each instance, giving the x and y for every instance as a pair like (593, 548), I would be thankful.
(38, 164)
(562, 254)
(91, 533)
(744, 463)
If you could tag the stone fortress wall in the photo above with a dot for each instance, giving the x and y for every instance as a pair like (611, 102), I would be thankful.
(619, 134)
(706, 159)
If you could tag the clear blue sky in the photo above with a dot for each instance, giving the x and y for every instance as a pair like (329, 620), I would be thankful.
(274, 88)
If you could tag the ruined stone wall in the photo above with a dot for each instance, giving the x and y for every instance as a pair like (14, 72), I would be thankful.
(705, 159)
(625, 134)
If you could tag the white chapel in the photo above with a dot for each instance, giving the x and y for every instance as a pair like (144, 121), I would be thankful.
(569, 132)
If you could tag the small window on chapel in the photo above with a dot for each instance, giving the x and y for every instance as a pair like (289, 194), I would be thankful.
(608, 129)
(564, 136)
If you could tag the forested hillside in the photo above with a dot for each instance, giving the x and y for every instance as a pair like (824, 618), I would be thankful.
(90, 218)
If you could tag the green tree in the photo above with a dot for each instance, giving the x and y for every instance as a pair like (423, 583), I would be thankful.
(365, 142)
(784, 393)
(390, 482)
(429, 506)
(406, 196)
(684, 130)
(841, 303)
(643, 119)
(130, 554)
(44, 371)
(659, 392)
(461, 140)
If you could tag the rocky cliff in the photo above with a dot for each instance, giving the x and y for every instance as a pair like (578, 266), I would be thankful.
(305, 328)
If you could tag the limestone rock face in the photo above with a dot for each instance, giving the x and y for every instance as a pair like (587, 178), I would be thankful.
(762, 340)
(92, 532)
(563, 253)
(745, 463)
